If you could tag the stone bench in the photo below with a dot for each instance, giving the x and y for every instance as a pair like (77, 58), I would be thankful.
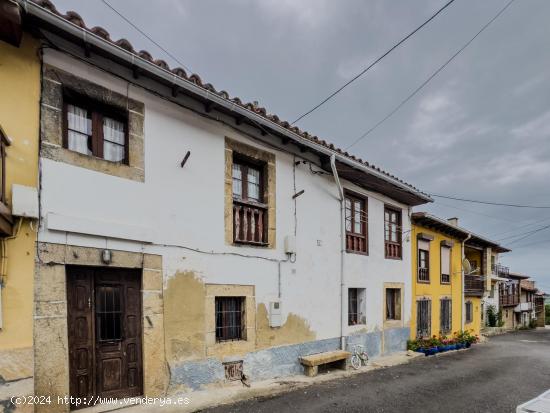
(312, 362)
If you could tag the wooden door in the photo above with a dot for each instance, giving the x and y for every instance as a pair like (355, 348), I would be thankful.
(104, 311)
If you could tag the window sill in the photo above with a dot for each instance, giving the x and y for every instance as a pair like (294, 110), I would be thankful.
(394, 258)
(423, 281)
(357, 252)
(250, 244)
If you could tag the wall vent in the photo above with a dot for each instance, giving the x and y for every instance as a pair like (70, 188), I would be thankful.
(233, 370)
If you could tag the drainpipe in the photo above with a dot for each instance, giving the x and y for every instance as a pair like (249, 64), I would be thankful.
(462, 283)
(342, 250)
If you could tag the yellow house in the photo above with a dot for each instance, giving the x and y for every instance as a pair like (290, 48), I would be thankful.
(446, 296)
(437, 276)
(19, 129)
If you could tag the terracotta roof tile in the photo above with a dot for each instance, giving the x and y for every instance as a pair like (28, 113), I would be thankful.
(76, 19)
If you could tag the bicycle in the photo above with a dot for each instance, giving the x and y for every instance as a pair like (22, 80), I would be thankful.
(359, 357)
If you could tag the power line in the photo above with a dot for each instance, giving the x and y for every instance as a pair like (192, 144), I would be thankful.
(474, 212)
(522, 226)
(529, 234)
(533, 231)
(491, 203)
(434, 74)
(146, 35)
(353, 79)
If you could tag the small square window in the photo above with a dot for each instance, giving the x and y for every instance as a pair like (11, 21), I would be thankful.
(230, 318)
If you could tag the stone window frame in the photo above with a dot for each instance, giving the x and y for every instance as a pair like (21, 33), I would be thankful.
(391, 323)
(56, 83)
(228, 348)
(232, 148)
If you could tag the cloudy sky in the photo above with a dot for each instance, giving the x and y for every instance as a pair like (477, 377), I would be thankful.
(479, 130)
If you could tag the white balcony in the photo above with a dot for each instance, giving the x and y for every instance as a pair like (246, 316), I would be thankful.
(523, 307)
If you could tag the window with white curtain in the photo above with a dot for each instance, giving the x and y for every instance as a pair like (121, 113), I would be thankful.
(79, 130)
(95, 131)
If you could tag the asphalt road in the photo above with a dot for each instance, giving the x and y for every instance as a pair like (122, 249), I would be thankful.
(491, 377)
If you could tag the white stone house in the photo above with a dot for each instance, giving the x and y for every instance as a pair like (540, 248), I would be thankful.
(185, 235)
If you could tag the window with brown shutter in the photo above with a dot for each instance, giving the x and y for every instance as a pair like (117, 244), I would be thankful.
(392, 233)
(356, 224)
(96, 130)
(249, 208)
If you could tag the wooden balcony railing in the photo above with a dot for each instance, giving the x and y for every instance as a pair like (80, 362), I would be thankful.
(249, 223)
(423, 274)
(393, 249)
(356, 243)
(508, 299)
(474, 285)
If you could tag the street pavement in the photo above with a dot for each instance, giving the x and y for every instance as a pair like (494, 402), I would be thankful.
(494, 376)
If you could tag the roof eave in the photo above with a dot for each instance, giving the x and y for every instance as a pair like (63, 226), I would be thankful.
(50, 18)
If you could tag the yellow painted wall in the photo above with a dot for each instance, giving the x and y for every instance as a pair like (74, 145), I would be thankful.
(434, 289)
(19, 117)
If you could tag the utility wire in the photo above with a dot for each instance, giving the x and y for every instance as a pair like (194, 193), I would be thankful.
(489, 202)
(434, 74)
(353, 79)
(521, 227)
(146, 35)
(533, 231)
(529, 234)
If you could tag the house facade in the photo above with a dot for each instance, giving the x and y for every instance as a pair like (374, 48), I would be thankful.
(481, 283)
(19, 128)
(187, 239)
(436, 276)
(447, 296)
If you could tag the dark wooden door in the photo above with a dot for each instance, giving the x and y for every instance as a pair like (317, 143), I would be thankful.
(104, 312)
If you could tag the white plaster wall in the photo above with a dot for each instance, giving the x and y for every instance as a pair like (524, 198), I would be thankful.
(183, 209)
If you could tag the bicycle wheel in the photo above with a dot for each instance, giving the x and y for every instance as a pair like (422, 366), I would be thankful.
(355, 361)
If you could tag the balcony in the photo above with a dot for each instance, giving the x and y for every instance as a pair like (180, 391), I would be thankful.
(474, 285)
(249, 223)
(508, 299)
(523, 307)
(500, 270)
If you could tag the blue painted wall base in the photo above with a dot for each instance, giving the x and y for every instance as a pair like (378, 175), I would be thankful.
(283, 361)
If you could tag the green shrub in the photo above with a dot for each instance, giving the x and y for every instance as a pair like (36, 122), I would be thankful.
(492, 316)
(547, 313)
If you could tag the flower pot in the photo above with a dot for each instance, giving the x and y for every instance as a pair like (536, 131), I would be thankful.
(433, 351)
(441, 349)
(468, 345)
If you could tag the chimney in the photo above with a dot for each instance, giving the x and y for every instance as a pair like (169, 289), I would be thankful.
(453, 221)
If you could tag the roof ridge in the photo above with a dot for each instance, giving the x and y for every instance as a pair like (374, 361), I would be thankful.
(75, 18)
